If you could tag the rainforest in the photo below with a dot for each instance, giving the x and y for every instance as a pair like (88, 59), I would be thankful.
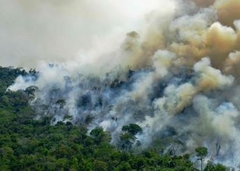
(110, 85)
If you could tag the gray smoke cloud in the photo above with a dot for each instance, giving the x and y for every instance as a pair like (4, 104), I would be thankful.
(32, 32)
(176, 75)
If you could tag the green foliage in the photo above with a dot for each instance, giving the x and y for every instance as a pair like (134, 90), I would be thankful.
(128, 137)
(27, 144)
(214, 167)
(201, 152)
(100, 136)
(132, 129)
(8, 75)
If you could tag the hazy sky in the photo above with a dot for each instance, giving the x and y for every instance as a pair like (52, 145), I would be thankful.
(56, 30)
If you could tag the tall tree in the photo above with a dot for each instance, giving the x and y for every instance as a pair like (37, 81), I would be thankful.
(201, 154)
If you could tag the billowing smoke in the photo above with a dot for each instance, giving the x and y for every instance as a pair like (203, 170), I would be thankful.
(176, 75)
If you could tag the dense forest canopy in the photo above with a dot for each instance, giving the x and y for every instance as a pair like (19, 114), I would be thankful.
(27, 143)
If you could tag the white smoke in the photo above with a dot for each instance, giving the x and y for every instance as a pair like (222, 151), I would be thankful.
(176, 75)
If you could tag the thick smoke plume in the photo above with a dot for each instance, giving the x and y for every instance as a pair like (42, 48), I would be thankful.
(176, 75)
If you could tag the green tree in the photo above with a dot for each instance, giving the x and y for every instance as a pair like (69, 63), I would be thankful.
(132, 129)
(128, 137)
(201, 154)
(214, 167)
(124, 166)
(99, 135)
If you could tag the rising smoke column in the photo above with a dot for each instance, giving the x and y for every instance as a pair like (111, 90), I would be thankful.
(178, 71)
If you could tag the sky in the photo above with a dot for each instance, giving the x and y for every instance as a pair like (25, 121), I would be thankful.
(57, 31)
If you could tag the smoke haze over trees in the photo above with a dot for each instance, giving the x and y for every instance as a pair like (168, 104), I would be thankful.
(170, 68)
(33, 144)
